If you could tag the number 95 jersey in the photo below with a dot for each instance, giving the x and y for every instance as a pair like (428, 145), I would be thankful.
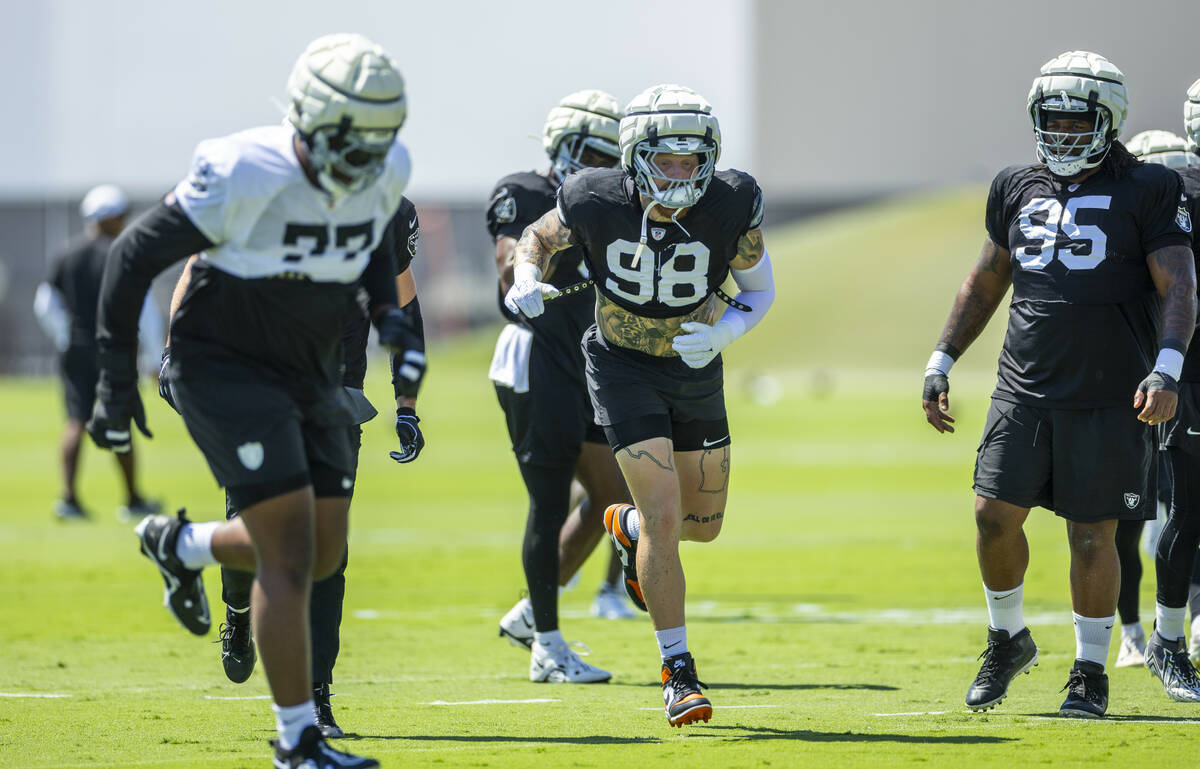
(1084, 319)
(249, 195)
(689, 260)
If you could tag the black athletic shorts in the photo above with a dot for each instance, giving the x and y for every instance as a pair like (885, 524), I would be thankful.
(638, 396)
(1086, 465)
(80, 371)
(259, 439)
(1183, 432)
(549, 433)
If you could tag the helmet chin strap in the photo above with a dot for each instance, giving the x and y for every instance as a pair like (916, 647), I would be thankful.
(642, 247)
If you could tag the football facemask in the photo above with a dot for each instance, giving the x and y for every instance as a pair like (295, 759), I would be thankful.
(1068, 153)
(575, 152)
(669, 191)
(348, 160)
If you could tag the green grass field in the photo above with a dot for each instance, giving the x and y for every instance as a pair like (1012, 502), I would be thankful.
(837, 618)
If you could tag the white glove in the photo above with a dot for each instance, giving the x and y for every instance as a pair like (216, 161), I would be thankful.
(702, 342)
(527, 291)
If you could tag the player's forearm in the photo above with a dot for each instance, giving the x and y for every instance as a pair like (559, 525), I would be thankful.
(505, 253)
(1174, 272)
(177, 294)
(541, 241)
(978, 298)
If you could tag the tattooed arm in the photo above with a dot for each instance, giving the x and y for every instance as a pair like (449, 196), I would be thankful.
(749, 250)
(1174, 271)
(977, 299)
(531, 262)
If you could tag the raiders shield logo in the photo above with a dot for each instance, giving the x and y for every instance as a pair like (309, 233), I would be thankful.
(504, 206)
(251, 455)
(658, 233)
(412, 243)
(1183, 219)
(1131, 500)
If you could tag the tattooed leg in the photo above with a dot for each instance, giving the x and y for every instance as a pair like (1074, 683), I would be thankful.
(704, 487)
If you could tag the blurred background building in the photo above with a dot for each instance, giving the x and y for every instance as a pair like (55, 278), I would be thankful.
(828, 104)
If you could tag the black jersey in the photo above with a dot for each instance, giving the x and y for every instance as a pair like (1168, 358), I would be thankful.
(690, 259)
(1189, 218)
(518, 201)
(405, 231)
(76, 275)
(1084, 319)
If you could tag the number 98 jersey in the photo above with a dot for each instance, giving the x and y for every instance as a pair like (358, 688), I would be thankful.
(1084, 318)
(689, 260)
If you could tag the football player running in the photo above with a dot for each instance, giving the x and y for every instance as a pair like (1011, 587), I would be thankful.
(660, 234)
(538, 371)
(325, 605)
(1166, 650)
(1093, 246)
(289, 221)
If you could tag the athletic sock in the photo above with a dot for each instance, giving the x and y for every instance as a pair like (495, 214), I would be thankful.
(634, 524)
(1133, 630)
(291, 721)
(672, 641)
(1092, 637)
(194, 546)
(549, 638)
(1005, 608)
(1169, 622)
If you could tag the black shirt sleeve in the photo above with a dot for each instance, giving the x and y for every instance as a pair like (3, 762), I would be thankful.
(408, 232)
(996, 218)
(156, 240)
(379, 278)
(1163, 208)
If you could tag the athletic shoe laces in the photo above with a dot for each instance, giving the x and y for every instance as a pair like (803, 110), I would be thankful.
(1077, 686)
(991, 661)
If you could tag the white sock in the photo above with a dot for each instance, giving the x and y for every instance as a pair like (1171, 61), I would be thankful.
(634, 523)
(1092, 637)
(1133, 630)
(672, 641)
(1169, 622)
(290, 721)
(194, 546)
(1005, 608)
(549, 638)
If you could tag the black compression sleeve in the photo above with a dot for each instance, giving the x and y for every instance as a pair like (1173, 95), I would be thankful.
(156, 240)
(379, 279)
(413, 311)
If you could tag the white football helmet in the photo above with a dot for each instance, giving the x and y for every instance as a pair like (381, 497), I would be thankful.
(1164, 148)
(1080, 85)
(584, 120)
(1191, 115)
(669, 119)
(346, 103)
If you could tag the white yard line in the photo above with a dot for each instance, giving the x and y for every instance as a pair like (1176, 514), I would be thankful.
(250, 697)
(491, 702)
(35, 696)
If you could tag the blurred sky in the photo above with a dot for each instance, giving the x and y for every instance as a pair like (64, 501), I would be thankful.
(122, 90)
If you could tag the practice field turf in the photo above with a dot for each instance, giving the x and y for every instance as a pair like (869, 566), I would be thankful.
(836, 620)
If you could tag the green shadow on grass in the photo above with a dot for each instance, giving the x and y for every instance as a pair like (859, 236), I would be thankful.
(753, 733)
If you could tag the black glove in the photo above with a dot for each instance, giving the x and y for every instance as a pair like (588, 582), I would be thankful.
(935, 385)
(411, 440)
(117, 402)
(399, 333)
(164, 387)
(1157, 380)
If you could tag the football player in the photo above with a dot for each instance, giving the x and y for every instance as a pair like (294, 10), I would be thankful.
(288, 221)
(65, 305)
(1166, 650)
(325, 605)
(1092, 243)
(1164, 148)
(538, 375)
(660, 234)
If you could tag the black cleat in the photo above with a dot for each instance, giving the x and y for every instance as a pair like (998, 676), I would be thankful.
(312, 752)
(1003, 659)
(616, 521)
(1087, 691)
(184, 593)
(70, 511)
(329, 728)
(237, 645)
(137, 510)
(682, 699)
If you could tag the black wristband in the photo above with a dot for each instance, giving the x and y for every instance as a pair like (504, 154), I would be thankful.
(1174, 344)
(405, 411)
(949, 349)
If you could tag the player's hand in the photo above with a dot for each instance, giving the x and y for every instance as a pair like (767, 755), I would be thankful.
(115, 407)
(409, 433)
(1156, 396)
(702, 342)
(935, 399)
(164, 387)
(397, 331)
(528, 293)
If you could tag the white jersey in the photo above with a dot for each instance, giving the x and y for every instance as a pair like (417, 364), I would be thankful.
(248, 195)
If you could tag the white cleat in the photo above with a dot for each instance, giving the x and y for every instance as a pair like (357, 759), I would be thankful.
(557, 664)
(1169, 661)
(610, 603)
(517, 625)
(1194, 642)
(1132, 653)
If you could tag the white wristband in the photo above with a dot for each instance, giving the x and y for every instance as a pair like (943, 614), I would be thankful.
(523, 271)
(1170, 362)
(939, 363)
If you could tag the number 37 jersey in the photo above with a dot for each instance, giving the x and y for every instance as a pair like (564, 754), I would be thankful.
(1084, 319)
(689, 260)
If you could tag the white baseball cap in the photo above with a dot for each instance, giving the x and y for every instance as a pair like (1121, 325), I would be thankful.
(103, 202)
